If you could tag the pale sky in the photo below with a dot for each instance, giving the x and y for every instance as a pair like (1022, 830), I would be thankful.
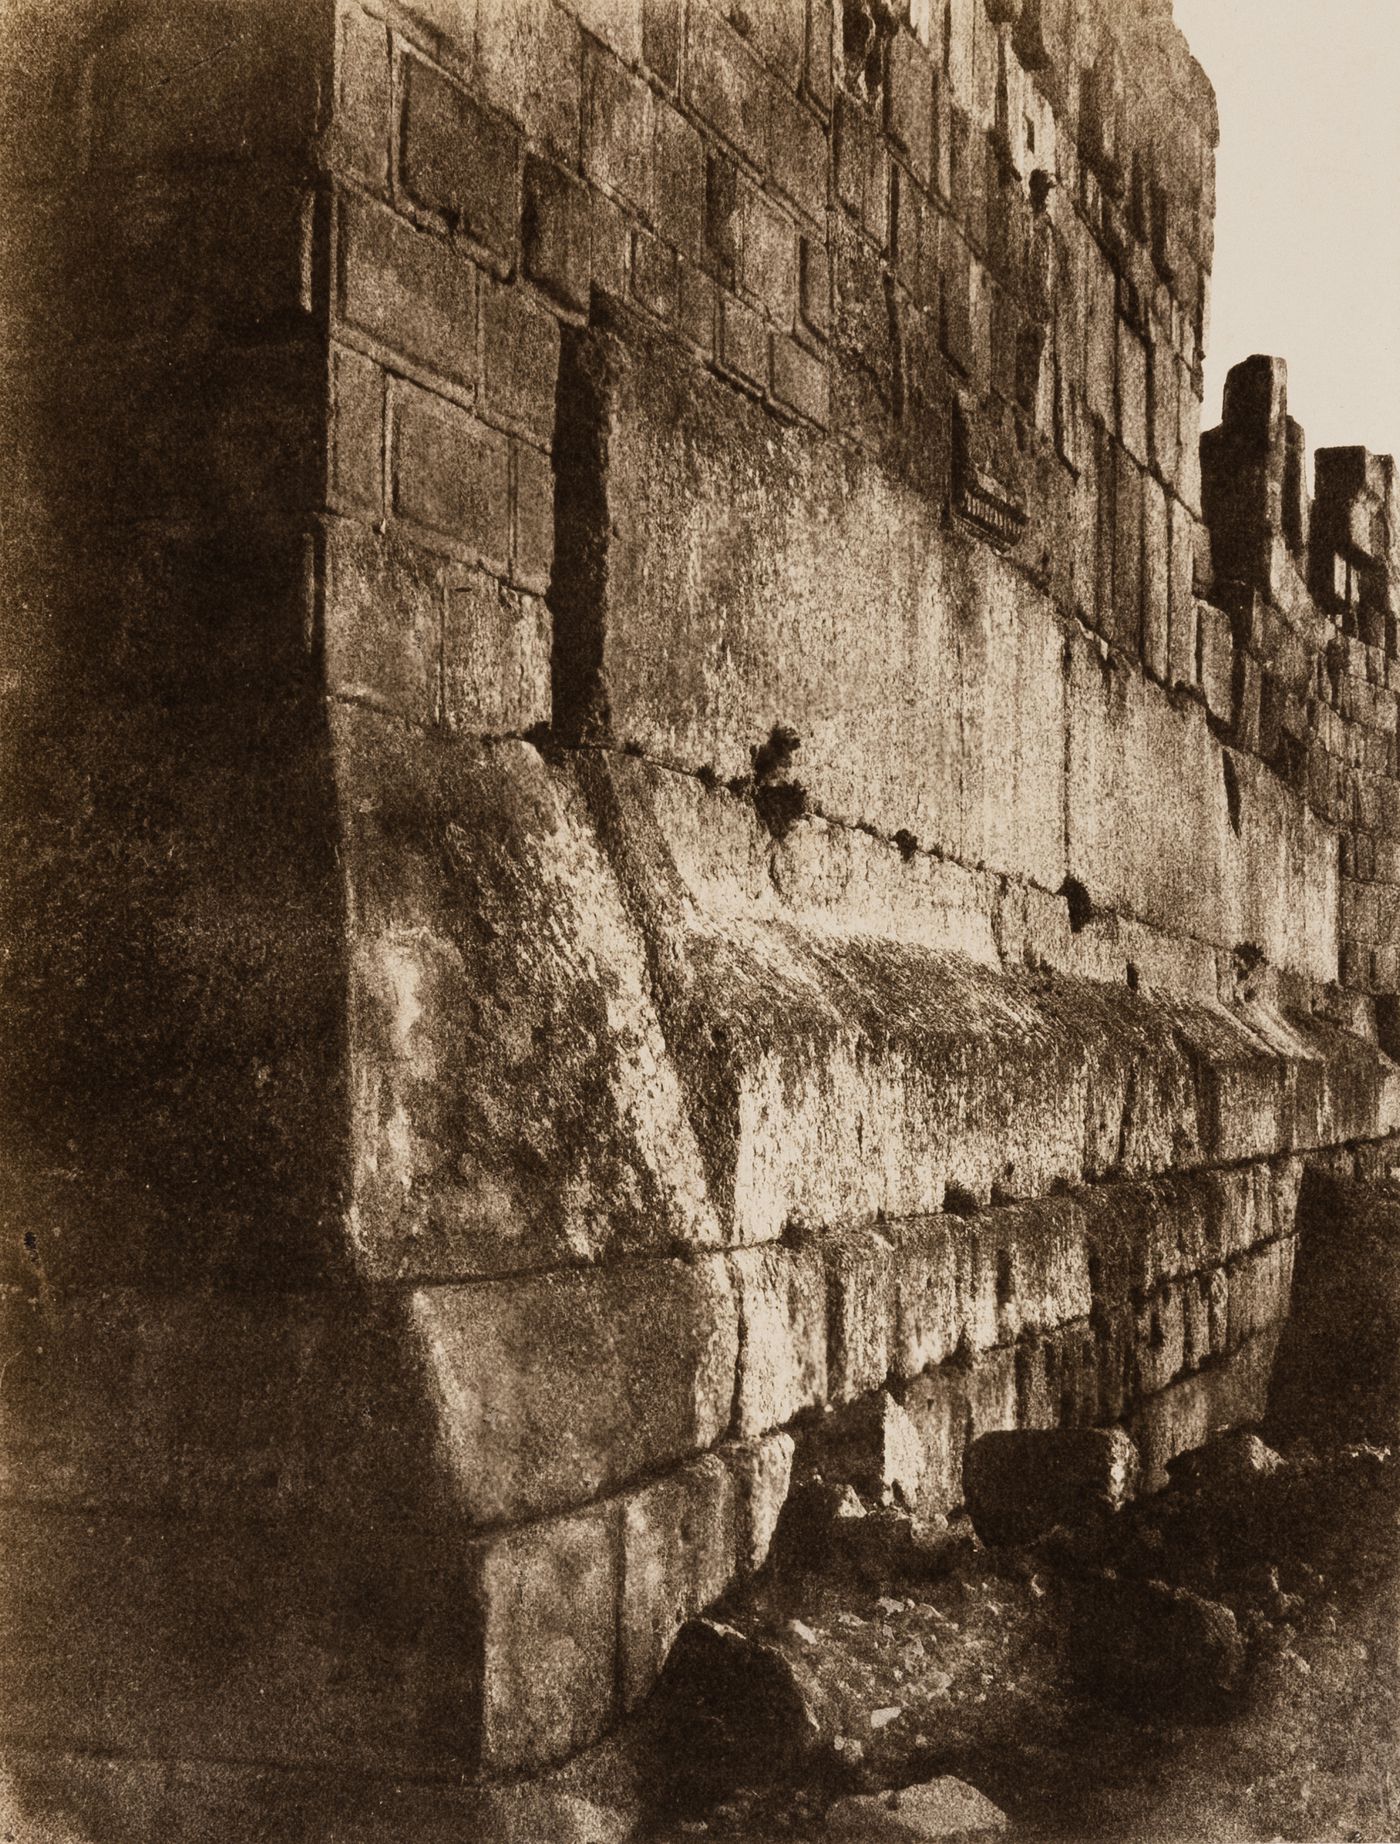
(1307, 235)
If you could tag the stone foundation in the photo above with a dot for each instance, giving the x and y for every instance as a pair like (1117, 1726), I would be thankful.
(644, 815)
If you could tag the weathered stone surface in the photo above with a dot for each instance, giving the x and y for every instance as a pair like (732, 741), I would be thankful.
(1158, 1646)
(1228, 878)
(782, 1350)
(751, 1705)
(699, 494)
(1021, 1482)
(1336, 1365)
(678, 1555)
(407, 291)
(383, 611)
(459, 161)
(946, 1809)
(762, 1474)
(350, 1639)
(1188, 1412)
(860, 1317)
(204, 1402)
(545, 1020)
(548, 1599)
(561, 1115)
(703, 1122)
(450, 475)
(1226, 1462)
(937, 1404)
(495, 657)
(1217, 660)
(815, 1519)
(555, 1388)
(873, 1445)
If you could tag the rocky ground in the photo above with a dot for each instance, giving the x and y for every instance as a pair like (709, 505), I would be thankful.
(1217, 1662)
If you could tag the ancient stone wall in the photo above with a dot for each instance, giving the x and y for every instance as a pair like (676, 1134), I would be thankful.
(657, 790)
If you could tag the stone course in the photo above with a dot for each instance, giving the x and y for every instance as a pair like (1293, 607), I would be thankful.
(666, 819)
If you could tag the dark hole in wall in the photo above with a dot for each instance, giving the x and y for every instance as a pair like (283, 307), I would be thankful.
(1005, 1283)
(1388, 1024)
(774, 755)
(780, 806)
(1232, 793)
(866, 26)
(1081, 907)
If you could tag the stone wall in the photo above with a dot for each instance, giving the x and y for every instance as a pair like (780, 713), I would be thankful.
(655, 789)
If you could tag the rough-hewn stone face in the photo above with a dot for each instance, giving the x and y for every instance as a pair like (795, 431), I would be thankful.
(556, 1387)
(1021, 1482)
(656, 790)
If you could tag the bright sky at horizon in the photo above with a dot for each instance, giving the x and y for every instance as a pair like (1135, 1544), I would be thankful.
(1307, 235)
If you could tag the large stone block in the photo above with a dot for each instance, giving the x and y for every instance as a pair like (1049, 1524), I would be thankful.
(458, 161)
(723, 86)
(1260, 1290)
(1129, 848)
(205, 1404)
(782, 1353)
(1156, 582)
(1041, 1266)
(942, 1808)
(552, 1389)
(941, 1271)
(762, 1472)
(355, 447)
(520, 346)
(710, 573)
(406, 290)
(1287, 886)
(556, 232)
(618, 130)
(529, 63)
(495, 657)
(936, 1404)
(382, 620)
(1021, 1482)
(360, 132)
(494, 957)
(1234, 857)
(549, 1639)
(873, 1445)
(678, 1555)
(860, 1270)
(1191, 1410)
(346, 1644)
(450, 475)
(1244, 466)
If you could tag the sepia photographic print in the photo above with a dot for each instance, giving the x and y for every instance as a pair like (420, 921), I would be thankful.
(699, 921)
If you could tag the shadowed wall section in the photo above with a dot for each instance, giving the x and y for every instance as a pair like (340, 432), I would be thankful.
(650, 793)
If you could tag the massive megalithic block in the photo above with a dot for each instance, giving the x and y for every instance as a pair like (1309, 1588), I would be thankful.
(1254, 482)
(626, 827)
(1356, 538)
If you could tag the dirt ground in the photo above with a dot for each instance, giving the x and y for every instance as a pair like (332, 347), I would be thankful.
(1218, 1662)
